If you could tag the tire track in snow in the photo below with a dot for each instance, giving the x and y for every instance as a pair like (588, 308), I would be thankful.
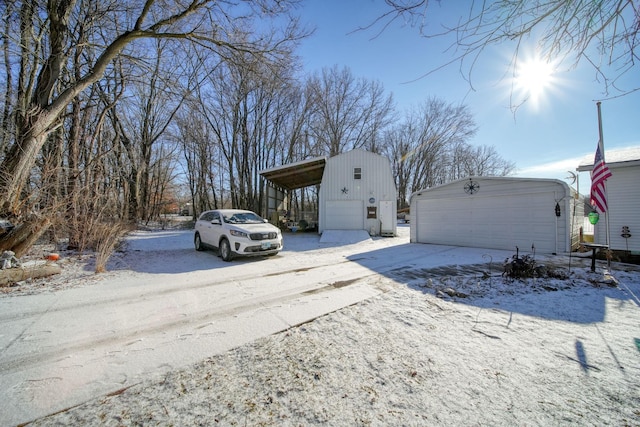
(129, 299)
(123, 337)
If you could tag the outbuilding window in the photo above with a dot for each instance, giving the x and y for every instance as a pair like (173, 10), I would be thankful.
(357, 173)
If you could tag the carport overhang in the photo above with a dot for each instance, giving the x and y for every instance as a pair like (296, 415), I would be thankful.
(301, 174)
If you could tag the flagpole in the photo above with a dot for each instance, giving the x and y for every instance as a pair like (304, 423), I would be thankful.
(601, 146)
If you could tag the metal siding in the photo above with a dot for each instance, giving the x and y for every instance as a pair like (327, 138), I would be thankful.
(491, 222)
(442, 222)
(574, 208)
(376, 182)
(504, 214)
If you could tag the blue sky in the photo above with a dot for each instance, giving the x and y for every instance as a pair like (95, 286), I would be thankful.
(545, 139)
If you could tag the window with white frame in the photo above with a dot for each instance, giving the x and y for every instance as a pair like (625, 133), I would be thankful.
(357, 173)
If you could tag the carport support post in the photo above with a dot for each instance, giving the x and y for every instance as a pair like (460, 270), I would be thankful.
(271, 201)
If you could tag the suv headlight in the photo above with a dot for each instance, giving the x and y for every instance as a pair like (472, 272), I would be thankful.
(237, 233)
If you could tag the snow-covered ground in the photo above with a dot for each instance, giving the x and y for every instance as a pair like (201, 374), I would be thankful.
(343, 330)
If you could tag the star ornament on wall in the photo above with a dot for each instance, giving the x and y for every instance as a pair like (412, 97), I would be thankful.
(344, 190)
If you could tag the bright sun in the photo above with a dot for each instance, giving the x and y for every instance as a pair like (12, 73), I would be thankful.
(533, 77)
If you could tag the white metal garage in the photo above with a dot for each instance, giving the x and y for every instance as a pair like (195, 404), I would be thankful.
(497, 212)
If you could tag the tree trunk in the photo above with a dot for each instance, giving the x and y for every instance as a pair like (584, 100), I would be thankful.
(13, 275)
(16, 166)
(21, 238)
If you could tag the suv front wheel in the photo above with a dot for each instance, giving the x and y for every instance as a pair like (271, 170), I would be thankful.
(197, 241)
(224, 249)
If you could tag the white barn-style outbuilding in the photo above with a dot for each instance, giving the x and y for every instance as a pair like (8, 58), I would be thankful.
(498, 213)
(358, 192)
(623, 200)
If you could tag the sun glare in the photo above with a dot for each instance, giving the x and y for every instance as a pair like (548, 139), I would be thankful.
(533, 78)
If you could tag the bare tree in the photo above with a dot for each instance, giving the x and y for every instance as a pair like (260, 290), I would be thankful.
(6, 122)
(349, 113)
(45, 41)
(227, 106)
(602, 33)
(420, 144)
(290, 141)
(146, 112)
(244, 103)
(202, 166)
(162, 174)
(465, 160)
(399, 143)
(295, 106)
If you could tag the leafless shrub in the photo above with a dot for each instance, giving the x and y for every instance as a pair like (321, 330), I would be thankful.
(94, 223)
(107, 237)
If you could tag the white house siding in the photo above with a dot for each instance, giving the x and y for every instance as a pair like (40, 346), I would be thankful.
(504, 214)
(347, 210)
(623, 199)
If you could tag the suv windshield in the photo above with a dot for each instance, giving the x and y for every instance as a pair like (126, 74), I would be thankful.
(243, 218)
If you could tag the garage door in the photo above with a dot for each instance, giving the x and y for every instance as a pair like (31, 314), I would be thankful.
(344, 215)
(490, 222)
(443, 221)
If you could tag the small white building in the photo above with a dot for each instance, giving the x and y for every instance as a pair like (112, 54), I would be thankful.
(623, 199)
(498, 213)
(358, 192)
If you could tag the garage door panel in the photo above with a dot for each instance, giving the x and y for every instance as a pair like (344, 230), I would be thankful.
(345, 215)
(510, 221)
(442, 222)
(501, 222)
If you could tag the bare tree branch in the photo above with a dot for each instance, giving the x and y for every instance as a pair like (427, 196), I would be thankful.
(604, 34)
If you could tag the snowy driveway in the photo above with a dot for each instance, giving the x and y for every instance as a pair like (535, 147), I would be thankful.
(163, 306)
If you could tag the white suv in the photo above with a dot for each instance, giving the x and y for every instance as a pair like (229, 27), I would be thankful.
(236, 232)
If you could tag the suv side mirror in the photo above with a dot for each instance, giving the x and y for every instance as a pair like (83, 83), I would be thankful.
(215, 221)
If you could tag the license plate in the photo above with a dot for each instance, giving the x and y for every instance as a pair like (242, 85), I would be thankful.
(266, 245)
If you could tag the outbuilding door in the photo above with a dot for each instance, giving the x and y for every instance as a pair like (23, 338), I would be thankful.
(344, 215)
(387, 219)
(500, 222)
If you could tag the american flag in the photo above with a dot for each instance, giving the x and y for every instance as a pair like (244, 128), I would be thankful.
(599, 175)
